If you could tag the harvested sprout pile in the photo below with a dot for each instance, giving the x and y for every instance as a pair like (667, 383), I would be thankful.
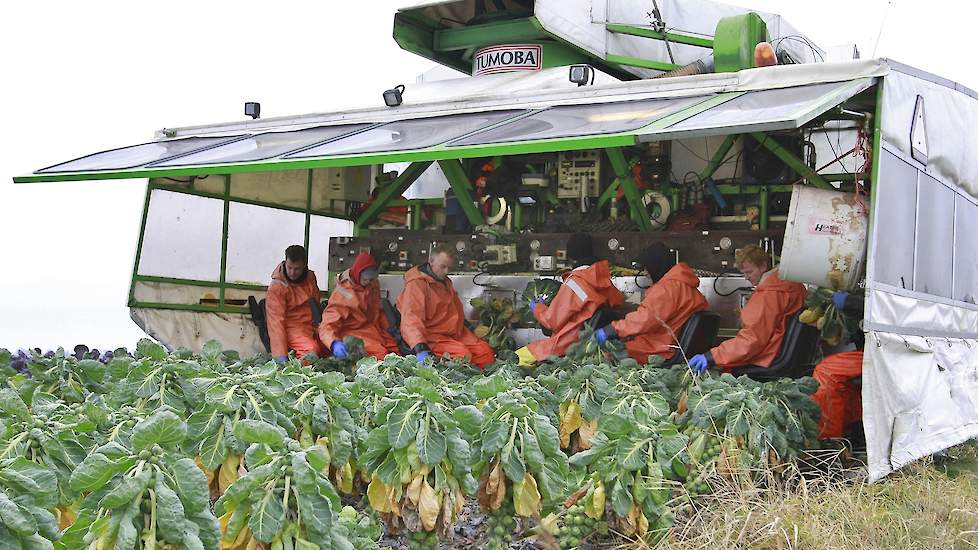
(161, 450)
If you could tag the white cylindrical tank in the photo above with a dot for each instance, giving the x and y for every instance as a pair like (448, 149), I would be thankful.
(825, 239)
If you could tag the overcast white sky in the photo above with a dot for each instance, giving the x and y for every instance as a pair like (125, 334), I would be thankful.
(80, 77)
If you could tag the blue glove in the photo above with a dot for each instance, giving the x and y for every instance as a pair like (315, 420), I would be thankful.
(533, 303)
(338, 349)
(699, 363)
(281, 358)
(601, 336)
(839, 300)
(392, 331)
(423, 356)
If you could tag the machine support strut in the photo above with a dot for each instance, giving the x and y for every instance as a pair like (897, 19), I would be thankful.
(461, 185)
(392, 190)
(791, 160)
(620, 166)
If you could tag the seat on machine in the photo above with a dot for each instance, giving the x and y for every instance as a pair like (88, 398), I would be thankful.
(602, 317)
(257, 309)
(697, 336)
(795, 358)
(394, 325)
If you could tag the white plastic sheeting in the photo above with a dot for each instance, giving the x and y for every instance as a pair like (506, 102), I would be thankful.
(948, 106)
(190, 329)
(920, 378)
(182, 238)
(257, 239)
(920, 396)
(321, 229)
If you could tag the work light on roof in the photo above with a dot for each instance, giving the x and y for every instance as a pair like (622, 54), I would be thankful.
(394, 96)
(253, 109)
(581, 74)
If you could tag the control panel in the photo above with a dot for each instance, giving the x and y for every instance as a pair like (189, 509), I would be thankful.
(545, 253)
(576, 169)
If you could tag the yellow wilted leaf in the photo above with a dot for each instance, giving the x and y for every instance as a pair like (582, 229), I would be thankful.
(228, 473)
(66, 516)
(323, 443)
(548, 523)
(526, 497)
(643, 523)
(586, 432)
(346, 479)
(208, 473)
(428, 506)
(495, 487)
(377, 495)
(481, 331)
(570, 421)
(594, 506)
(413, 493)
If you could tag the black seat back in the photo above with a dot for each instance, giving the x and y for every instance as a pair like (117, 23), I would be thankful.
(796, 356)
(317, 312)
(394, 322)
(602, 317)
(257, 309)
(697, 335)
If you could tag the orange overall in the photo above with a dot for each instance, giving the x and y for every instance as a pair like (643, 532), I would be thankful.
(288, 315)
(841, 403)
(354, 310)
(431, 313)
(653, 329)
(585, 289)
(763, 321)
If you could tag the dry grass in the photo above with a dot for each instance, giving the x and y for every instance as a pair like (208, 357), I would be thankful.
(923, 506)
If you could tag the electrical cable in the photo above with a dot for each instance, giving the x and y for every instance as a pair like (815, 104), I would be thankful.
(803, 40)
(483, 270)
(639, 285)
(732, 292)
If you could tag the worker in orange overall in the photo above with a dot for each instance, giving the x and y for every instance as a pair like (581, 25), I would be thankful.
(288, 311)
(763, 319)
(672, 299)
(432, 320)
(354, 310)
(586, 289)
(840, 401)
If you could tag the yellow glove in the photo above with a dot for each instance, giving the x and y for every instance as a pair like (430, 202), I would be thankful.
(527, 360)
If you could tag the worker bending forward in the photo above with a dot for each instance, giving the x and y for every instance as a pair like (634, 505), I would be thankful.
(288, 312)
(672, 299)
(840, 401)
(586, 289)
(354, 310)
(763, 319)
(432, 320)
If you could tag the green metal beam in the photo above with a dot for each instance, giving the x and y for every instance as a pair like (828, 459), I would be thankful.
(642, 63)
(220, 196)
(763, 209)
(224, 234)
(501, 32)
(139, 244)
(791, 160)
(717, 160)
(646, 32)
(191, 307)
(620, 167)
(461, 185)
(608, 193)
(197, 282)
(391, 190)
(877, 152)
